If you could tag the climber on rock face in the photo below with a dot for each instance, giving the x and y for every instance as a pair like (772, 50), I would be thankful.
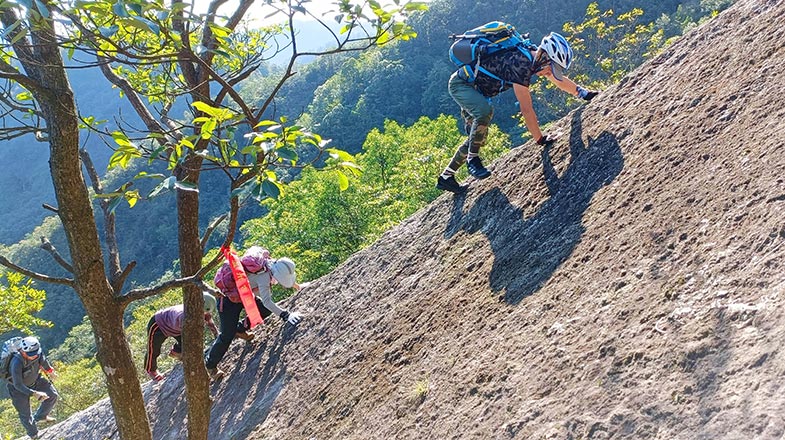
(169, 323)
(262, 272)
(472, 86)
(25, 380)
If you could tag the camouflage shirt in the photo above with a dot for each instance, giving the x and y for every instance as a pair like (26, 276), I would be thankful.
(511, 65)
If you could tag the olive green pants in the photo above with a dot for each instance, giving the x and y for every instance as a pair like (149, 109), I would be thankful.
(477, 113)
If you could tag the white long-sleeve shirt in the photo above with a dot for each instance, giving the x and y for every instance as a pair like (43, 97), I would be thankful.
(261, 283)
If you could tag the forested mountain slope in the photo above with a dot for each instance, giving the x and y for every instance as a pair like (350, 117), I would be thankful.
(626, 283)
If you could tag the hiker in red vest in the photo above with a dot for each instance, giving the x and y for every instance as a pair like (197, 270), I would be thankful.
(25, 380)
(168, 323)
(262, 272)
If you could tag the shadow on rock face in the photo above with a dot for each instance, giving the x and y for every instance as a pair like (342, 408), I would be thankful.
(527, 251)
(242, 399)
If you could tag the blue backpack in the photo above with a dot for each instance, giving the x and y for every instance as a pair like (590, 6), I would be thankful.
(469, 48)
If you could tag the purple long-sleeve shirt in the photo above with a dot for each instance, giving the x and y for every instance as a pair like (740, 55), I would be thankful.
(170, 320)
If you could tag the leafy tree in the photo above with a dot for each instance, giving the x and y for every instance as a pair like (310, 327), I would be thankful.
(19, 301)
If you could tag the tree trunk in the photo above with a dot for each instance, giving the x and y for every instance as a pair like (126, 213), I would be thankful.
(76, 213)
(196, 381)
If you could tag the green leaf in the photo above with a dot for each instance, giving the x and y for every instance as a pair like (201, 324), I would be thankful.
(186, 186)
(114, 203)
(340, 154)
(166, 185)
(208, 128)
(146, 175)
(353, 167)
(132, 197)
(123, 155)
(265, 123)
(24, 96)
(136, 8)
(272, 189)
(7, 31)
(206, 108)
(415, 6)
(19, 35)
(246, 188)
(145, 25)
(343, 181)
(108, 32)
(251, 149)
(119, 9)
(42, 9)
(287, 153)
(383, 38)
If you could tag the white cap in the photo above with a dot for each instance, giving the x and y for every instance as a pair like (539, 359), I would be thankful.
(210, 304)
(283, 271)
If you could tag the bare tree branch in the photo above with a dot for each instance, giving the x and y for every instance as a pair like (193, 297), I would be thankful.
(228, 89)
(146, 292)
(210, 230)
(152, 124)
(117, 284)
(49, 247)
(110, 231)
(35, 275)
(6, 134)
(137, 294)
(8, 71)
(208, 39)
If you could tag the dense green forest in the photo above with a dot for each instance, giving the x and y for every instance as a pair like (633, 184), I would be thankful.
(390, 107)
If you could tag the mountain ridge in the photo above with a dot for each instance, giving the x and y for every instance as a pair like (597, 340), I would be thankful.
(625, 283)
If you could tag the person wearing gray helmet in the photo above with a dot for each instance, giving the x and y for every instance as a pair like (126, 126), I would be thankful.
(25, 365)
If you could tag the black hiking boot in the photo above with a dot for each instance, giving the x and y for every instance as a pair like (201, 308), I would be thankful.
(476, 169)
(449, 184)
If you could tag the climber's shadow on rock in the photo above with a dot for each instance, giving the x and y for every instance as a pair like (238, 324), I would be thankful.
(528, 251)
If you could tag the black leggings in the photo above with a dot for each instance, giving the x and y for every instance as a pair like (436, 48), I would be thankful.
(229, 312)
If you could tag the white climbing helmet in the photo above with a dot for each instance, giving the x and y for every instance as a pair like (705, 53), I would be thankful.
(30, 346)
(559, 52)
(210, 305)
(283, 271)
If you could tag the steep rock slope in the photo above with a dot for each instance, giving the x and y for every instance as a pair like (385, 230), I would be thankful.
(627, 283)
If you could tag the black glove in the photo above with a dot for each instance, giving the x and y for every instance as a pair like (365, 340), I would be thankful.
(590, 95)
(586, 95)
(546, 141)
